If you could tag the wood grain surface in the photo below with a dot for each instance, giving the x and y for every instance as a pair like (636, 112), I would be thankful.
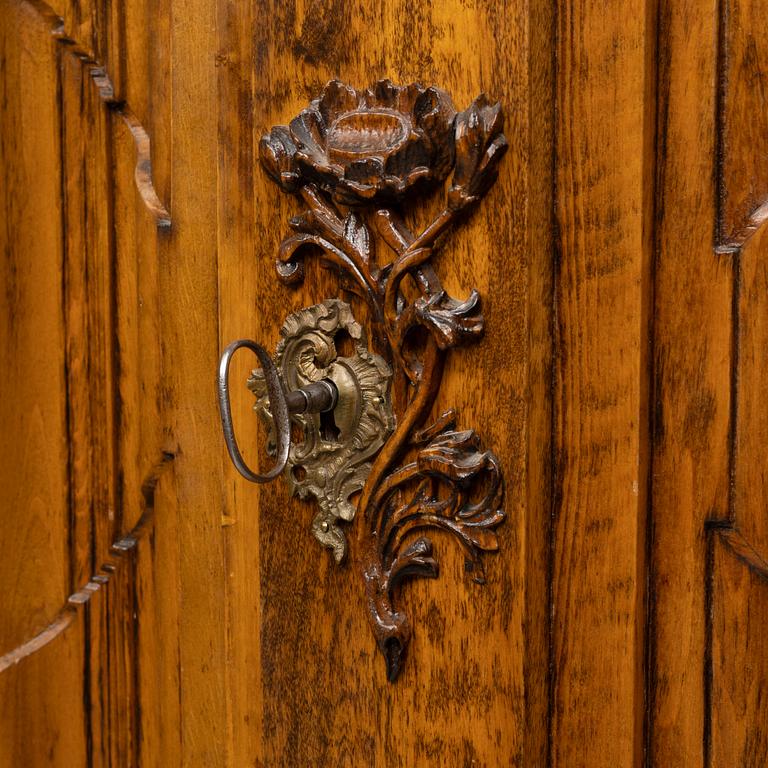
(160, 611)
(691, 397)
(739, 673)
(34, 526)
(604, 208)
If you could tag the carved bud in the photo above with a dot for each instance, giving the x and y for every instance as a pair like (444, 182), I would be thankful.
(480, 145)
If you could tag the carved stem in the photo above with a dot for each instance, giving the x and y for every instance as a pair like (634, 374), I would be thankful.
(468, 144)
(414, 414)
(412, 257)
(341, 258)
(396, 235)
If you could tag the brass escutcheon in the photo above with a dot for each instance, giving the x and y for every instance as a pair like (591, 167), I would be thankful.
(330, 459)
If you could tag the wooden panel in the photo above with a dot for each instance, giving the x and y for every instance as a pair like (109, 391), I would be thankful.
(34, 568)
(87, 158)
(241, 299)
(222, 633)
(744, 83)
(692, 368)
(604, 206)
(136, 318)
(144, 57)
(160, 705)
(71, 346)
(145, 444)
(739, 696)
(325, 698)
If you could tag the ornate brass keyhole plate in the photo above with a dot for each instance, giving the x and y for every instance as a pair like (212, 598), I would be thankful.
(331, 459)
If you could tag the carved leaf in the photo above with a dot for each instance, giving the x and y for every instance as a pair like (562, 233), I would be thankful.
(347, 150)
(455, 461)
(452, 322)
(415, 561)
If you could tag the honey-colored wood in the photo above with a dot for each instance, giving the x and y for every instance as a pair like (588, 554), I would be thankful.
(158, 610)
(605, 98)
(313, 611)
(743, 178)
(691, 389)
(35, 572)
(739, 653)
(749, 511)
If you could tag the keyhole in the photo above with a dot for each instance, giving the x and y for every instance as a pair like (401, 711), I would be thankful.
(328, 429)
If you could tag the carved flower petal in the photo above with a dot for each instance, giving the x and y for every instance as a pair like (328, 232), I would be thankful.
(337, 99)
(408, 157)
(366, 171)
(433, 116)
(395, 186)
(383, 93)
(308, 130)
(409, 97)
(277, 152)
(316, 168)
(433, 104)
(351, 192)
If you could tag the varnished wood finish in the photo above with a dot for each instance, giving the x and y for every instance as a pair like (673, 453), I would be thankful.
(157, 611)
(739, 664)
(604, 204)
(691, 382)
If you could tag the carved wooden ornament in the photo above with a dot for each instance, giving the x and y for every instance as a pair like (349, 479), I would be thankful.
(353, 158)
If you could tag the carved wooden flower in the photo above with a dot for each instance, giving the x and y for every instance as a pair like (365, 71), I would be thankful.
(364, 146)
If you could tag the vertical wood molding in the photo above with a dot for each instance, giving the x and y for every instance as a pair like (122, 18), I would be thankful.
(692, 359)
(35, 571)
(605, 178)
(742, 79)
(738, 659)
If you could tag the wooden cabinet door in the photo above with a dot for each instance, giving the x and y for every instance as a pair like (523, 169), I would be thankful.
(158, 610)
